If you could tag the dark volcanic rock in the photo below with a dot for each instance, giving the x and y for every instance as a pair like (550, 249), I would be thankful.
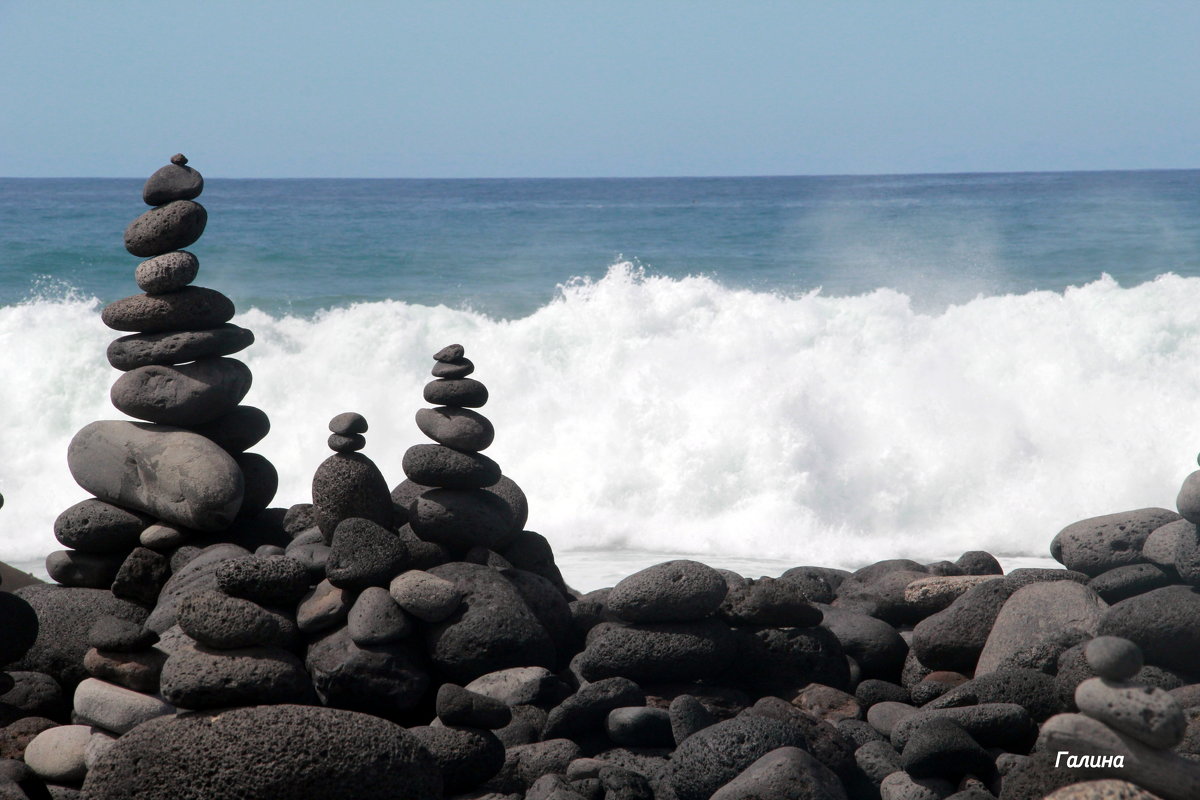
(169, 227)
(173, 474)
(364, 554)
(348, 423)
(167, 273)
(65, 615)
(177, 347)
(508, 491)
(1165, 623)
(458, 706)
(90, 570)
(120, 635)
(461, 519)
(349, 485)
(459, 428)
(18, 627)
(465, 757)
(189, 394)
(458, 368)
(674, 591)
(425, 596)
(456, 392)
(711, 758)
(664, 651)
(141, 576)
(979, 562)
(376, 619)
(189, 309)
(871, 642)
(323, 608)
(435, 465)
(270, 580)
(197, 575)
(492, 629)
(237, 431)
(1122, 583)
(198, 677)
(783, 660)
(315, 754)
(1098, 544)
(771, 602)
(953, 638)
(640, 726)
(385, 679)
(1035, 691)
(215, 619)
(1004, 725)
(786, 773)
(941, 749)
(585, 711)
(95, 526)
(175, 181)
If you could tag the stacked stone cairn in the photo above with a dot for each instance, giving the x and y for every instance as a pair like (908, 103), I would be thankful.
(419, 643)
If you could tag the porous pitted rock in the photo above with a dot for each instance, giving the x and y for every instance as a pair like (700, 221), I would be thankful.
(456, 392)
(674, 591)
(1125, 582)
(314, 754)
(465, 757)
(197, 575)
(270, 580)
(874, 644)
(167, 273)
(95, 526)
(1007, 726)
(199, 677)
(458, 706)
(783, 660)
(585, 711)
(1033, 690)
(192, 308)
(1098, 544)
(349, 485)
(435, 465)
(769, 602)
(215, 619)
(491, 629)
(663, 651)
(364, 553)
(384, 679)
(942, 749)
(1145, 713)
(168, 227)
(171, 473)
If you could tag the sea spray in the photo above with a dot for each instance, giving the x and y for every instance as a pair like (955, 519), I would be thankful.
(678, 415)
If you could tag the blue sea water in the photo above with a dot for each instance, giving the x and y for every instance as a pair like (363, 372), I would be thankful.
(789, 370)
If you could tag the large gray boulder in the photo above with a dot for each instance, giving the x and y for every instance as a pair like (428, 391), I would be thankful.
(1040, 612)
(315, 754)
(176, 475)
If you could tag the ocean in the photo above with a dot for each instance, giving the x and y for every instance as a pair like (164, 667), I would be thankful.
(755, 372)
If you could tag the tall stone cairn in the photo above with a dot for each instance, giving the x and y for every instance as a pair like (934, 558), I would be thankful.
(180, 475)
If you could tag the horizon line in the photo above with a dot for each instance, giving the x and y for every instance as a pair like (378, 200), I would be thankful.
(617, 177)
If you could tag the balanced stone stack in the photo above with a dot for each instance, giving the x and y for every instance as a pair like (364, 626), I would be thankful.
(181, 473)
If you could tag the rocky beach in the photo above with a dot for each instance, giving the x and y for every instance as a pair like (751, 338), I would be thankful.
(203, 638)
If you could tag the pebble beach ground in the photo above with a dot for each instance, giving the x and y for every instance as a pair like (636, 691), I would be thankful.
(418, 642)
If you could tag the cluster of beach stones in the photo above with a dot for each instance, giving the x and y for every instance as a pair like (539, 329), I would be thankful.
(419, 643)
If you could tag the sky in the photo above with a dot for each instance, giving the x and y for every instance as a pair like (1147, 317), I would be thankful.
(573, 88)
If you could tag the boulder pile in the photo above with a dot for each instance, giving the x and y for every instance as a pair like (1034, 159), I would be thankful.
(420, 643)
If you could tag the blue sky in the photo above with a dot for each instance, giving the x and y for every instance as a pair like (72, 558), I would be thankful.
(569, 88)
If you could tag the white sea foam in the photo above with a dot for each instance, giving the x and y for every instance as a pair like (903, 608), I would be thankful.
(679, 416)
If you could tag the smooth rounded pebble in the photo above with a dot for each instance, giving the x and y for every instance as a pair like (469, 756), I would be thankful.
(425, 596)
(56, 754)
(316, 754)
(1037, 613)
(167, 273)
(376, 619)
(175, 181)
(116, 708)
(1113, 657)
(168, 227)
(188, 394)
(95, 526)
(458, 428)
(674, 591)
(786, 773)
(348, 423)
(460, 519)
(457, 392)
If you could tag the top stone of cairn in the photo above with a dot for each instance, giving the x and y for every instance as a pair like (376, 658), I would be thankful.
(175, 181)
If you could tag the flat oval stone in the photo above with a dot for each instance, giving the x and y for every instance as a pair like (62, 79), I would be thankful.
(175, 181)
(237, 431)
(215, 619)
(458, 368)
(177, 347)
(449, 353)
(167, 273)
(169, 227)
(88, 570)
(457, 392)
(1146, 713)
(176, 475)
(457, 428)
(95, 526)
(434, 465)
(197, 677)
(673, 591)
(461, 518)
(348, 423)
(190, 309)
(189, 394)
